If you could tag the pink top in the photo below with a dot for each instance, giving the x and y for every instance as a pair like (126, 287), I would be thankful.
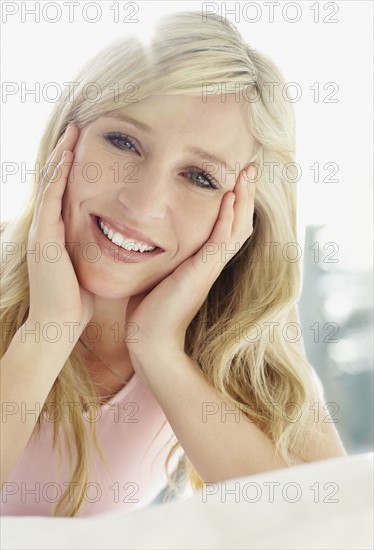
(125, 426)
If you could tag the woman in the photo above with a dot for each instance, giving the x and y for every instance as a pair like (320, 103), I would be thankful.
(151, 224)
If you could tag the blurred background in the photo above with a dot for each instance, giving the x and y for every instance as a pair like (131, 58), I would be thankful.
(327, 54)
(336, 315)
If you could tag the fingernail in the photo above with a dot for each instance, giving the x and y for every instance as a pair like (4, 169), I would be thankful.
(247, 175)
(251, 172)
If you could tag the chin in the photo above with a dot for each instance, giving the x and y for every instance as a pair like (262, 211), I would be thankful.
(105, 286)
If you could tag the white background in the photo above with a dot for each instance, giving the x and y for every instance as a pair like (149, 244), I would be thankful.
(306, 51)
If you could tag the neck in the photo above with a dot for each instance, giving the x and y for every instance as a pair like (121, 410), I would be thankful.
(109, 329)
(104, 348)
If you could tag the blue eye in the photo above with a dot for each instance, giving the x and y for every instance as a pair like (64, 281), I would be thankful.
(210, 182)
(114, 137)
(206, 181)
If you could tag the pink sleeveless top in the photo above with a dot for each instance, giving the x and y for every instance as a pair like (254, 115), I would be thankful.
(127, 430)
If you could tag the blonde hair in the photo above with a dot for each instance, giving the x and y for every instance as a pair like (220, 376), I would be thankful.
(253, 371)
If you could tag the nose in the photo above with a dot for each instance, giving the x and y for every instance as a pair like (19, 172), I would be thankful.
(146, 192)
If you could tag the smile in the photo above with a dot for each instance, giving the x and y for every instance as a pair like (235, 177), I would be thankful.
(121, 240)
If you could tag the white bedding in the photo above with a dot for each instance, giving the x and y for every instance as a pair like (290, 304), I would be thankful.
(325, 505)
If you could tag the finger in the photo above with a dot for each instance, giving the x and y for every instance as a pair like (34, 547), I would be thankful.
(66, 142)
(51, 202)
(44, 171)
(244, 206)
(235, 222)
(208, 260)
(222, 228)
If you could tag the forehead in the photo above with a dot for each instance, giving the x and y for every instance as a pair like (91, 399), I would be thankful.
(190, 111)
(220, 123)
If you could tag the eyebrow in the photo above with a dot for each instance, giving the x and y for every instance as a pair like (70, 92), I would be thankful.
(126, 118)
(197, 151)
(204, 155)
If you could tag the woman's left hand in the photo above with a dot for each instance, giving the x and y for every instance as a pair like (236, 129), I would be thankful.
(164, 314)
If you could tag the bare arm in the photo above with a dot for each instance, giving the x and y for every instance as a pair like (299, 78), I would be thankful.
(218, 438)
(28, 371)
(32, 363)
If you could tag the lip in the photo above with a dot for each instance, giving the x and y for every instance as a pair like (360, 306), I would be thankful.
(115, 252)
(124, 229)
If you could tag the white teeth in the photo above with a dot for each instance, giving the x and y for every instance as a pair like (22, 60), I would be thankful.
(116, 238)
(122, 241)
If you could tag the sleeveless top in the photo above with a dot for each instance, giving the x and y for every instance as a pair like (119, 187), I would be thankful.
(135, 437)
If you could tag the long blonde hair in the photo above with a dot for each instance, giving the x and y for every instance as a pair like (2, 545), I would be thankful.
(232, 337)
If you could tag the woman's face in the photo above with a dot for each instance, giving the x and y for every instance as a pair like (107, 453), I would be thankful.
(151, 182)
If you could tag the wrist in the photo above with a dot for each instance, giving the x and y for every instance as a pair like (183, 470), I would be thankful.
(159, 353)
(59, 333)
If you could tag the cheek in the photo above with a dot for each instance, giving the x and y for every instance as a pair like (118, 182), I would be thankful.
(85, 170)
(80, 187)
(86, 177)
(72, 195)
(196, 224)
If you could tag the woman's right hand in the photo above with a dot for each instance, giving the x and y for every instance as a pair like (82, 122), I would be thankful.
(55, 292)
